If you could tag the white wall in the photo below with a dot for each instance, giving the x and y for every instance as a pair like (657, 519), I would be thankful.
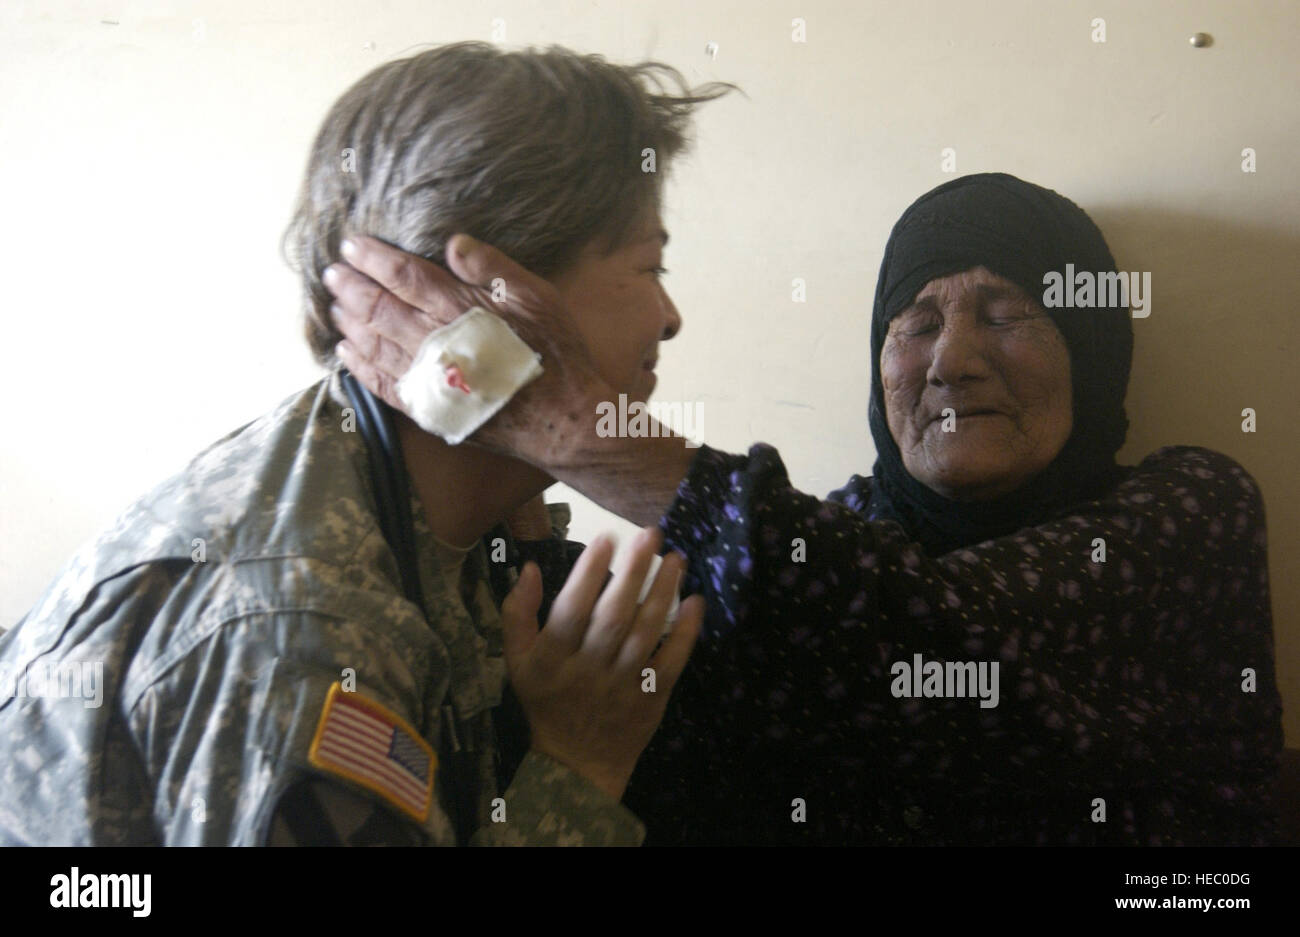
(151, 163)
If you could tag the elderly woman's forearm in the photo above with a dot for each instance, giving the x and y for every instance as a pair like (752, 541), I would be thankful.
(636, 477)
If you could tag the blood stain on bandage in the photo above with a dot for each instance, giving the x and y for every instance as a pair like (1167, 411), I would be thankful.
(456, 378)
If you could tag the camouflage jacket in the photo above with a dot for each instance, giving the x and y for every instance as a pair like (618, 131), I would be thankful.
(183, 679)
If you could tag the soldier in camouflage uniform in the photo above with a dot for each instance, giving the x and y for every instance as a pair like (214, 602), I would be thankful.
(265, 680)
(224, 605)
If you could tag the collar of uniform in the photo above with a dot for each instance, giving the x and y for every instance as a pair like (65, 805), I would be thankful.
(332, 387)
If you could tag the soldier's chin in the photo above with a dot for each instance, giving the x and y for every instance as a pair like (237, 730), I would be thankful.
(638, 391)
(645, 386)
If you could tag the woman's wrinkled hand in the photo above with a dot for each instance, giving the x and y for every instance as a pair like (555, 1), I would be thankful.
(387, 301)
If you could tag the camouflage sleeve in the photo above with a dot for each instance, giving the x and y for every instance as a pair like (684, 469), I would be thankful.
(70, 772)
(549, 804)
(227, 715)
(245, 773)
(314, 812)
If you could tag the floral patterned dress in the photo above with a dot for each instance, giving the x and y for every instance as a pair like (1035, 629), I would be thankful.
(1133, 636)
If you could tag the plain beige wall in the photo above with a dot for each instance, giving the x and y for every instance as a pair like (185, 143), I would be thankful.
(152, 152)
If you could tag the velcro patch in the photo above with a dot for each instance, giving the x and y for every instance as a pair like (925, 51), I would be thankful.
(371, 745)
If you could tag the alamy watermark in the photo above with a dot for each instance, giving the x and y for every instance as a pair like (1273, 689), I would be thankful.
(946, 679)
(63, 679)
(78, 890)
(654, 419)
(1084, 290)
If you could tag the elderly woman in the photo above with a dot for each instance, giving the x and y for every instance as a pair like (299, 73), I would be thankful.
(1001, 636)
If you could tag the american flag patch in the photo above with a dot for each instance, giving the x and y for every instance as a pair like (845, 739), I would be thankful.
(371, 745)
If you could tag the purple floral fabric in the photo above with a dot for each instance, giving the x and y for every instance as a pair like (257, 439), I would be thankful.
(1137, 701)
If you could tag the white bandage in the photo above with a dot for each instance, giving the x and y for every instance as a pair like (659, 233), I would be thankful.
(464, 373)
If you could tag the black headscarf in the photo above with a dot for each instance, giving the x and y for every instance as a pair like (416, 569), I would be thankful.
(1019, 231)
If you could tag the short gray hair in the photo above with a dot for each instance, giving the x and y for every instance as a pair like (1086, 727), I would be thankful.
(538, 153)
